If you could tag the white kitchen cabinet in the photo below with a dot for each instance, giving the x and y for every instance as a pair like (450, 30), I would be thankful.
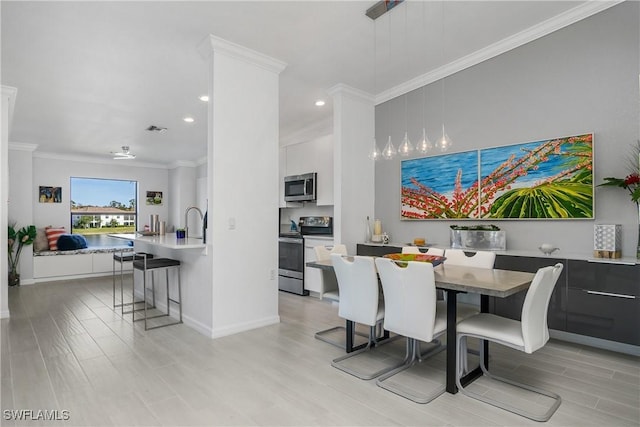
(313, 276)
(311, 156)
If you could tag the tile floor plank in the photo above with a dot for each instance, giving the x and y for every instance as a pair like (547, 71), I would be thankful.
(64, 347)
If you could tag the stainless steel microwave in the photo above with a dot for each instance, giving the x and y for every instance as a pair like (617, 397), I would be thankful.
(300, 188)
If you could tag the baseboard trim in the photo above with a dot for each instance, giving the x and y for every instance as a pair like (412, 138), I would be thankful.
(619, 347)
(246, 326)
(70, 277)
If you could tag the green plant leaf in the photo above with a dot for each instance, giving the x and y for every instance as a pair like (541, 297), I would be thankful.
(565, 199)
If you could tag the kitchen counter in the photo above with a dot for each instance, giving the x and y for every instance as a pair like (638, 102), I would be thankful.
(560, 254)
(168, 240)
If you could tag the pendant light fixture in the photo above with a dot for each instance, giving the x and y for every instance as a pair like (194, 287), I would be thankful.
(389, 151)
(444, 143)
(425, 145)
(375, 154)
(406, 147)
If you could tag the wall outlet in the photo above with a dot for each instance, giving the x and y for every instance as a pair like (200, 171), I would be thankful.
(272, 274)
(232, 223)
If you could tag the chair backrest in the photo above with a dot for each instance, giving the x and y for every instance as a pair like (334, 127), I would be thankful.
(416, 250)
(409, 298)
(358, 287)
(411, 250)
(435, 251)
(324, 254)
(482, 259)
(535, 331)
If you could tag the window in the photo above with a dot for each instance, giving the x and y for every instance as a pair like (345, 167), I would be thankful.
(103, 206)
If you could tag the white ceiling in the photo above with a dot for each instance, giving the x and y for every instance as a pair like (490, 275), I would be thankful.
(91, 76)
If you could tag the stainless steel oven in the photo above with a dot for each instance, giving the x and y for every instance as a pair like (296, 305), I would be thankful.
(291, 252)
(291, 264)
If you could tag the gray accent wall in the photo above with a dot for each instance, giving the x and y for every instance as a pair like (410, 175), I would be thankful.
(581, 79)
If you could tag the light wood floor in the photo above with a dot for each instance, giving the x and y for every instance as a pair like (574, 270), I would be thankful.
(65, 349)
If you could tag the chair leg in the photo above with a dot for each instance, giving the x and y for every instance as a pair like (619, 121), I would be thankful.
(412, 357)
(371, 344)
(507, 407)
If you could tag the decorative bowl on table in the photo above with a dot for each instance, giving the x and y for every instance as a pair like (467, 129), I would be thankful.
(148, 233)
(433, 259)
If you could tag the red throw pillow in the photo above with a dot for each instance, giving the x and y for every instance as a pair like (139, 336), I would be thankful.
(52, 236)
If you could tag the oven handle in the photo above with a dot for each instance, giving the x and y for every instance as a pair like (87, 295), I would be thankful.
(290, 240)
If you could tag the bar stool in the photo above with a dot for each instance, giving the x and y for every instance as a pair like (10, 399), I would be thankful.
(151, 265)
(121, 258)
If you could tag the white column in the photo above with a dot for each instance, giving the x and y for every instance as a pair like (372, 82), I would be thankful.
(354, 173)
(8, 100)
(243, 186)
(21, 193)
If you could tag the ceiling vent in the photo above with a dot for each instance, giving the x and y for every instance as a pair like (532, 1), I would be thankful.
(154, 128)
(382, 7)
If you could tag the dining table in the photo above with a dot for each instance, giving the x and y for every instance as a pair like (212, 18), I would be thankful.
(453, 280)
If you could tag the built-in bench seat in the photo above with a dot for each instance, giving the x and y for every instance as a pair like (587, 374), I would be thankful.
(62, 265)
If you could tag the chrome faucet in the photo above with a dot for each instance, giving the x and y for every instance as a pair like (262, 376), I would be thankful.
(186, 219)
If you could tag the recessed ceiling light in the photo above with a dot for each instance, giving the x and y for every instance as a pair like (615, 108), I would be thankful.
(204, 98)
(189, 119)
(319, 103)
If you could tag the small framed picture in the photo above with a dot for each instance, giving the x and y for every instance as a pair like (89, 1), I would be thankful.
(50, 194)
(154, 198)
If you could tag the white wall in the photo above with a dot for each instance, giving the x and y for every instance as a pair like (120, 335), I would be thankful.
(580, 79)
(182, 184)
(56, 172)
(21, 205)
(243, 186)
(6, 109)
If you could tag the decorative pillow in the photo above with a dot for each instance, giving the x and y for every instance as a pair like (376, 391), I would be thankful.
(40, 243)
(70, 242)
(52, 236)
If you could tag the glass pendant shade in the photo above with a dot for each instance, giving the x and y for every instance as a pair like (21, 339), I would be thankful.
(444, 143)
(374, 154)
(389, 151)
(406, 147)
(425, 145)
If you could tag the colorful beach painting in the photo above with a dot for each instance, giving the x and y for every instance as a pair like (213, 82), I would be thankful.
(550, 179)
(444, 186)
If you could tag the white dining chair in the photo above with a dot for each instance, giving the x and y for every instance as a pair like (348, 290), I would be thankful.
(360, 303)
(329, 290)
(528, 335)
(468, 304)
(410, 311)
(416, 250)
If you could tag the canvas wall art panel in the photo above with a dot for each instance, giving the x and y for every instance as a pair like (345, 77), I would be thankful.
(444, 186)
(547, 179)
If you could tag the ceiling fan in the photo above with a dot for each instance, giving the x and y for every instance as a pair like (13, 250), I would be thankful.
(125, 154)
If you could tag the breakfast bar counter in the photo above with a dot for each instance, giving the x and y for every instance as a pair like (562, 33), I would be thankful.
(168, 240)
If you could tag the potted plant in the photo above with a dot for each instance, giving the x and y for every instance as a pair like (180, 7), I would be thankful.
(20, 238)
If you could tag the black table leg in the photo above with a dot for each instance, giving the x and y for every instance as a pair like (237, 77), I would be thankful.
(452, 297)
(484, 308)
(349, 337)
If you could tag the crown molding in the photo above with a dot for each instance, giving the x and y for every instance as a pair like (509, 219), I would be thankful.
(22, 146)
(535, 32)
(351, 91)
(315, 130)
(212, 44)
(11, 93)
(181, 163)
(98, 160)
(201, 161)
